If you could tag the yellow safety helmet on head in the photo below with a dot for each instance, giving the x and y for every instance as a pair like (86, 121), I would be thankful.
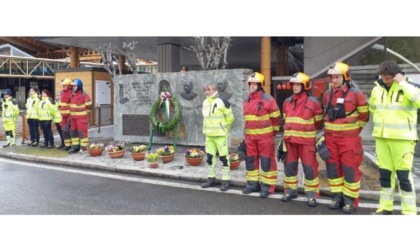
(257, 78)
(301, 78)
(66, 82)
(340, 68)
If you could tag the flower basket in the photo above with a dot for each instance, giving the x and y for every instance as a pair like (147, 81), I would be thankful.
(194, 161)
(154, 165)
(234, 165)
(138, 156)
(95, 152)
(194, 157)
(168, 158)
(116, 154)
(167, 153)
(234, 161)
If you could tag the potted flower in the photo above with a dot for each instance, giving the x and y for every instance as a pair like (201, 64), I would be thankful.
(152, 159)
(234, 161)
(116, 150)
(167, 153)
(138, 152)
(96, 149)
(194, 156)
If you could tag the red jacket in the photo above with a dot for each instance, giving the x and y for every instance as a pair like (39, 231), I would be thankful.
(356, 111)
(79, 105)
(65, 102)
(262, 115)
(303, 117)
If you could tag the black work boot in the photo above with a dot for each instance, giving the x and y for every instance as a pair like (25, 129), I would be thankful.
(67, 148)
(6, 145)
(225, 185)
(73, 150)
(337, 202)
(251, 186)
(209, 183)
(312, 202)
(288, 197)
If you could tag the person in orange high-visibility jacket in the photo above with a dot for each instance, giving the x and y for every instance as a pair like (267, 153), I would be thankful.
(80, 104)
(65, 113)
(262, 122)
(303, 116)
(347, 113)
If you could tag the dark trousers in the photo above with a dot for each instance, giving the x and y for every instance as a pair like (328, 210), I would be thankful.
(33, 130)
(47, 131)
(60, 132)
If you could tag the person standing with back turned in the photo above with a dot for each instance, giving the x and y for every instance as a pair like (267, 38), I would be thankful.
(347, 114)
(262, 122)
(393, 104)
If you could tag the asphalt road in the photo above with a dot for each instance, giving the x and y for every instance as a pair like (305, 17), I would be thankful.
(36, 189)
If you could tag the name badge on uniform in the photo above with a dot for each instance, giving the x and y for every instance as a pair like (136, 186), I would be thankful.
(340, 100)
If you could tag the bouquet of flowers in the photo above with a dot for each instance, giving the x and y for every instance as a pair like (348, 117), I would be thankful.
(138, 148)
(233, 157)
(166, 150)
(96, 146)
(119, 146)
(152, 157)
(194, 153)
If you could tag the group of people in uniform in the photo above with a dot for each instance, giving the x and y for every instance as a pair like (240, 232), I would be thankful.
(69, 113)
(332, 129)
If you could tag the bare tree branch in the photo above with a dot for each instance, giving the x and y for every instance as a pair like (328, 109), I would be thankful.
(210, 50)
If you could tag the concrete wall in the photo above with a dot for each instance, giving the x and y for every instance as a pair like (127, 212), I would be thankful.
(134, 95)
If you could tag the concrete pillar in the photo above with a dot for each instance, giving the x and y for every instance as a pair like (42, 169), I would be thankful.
(266, 62)
(121, 63)
(168, 58)
(74, 57)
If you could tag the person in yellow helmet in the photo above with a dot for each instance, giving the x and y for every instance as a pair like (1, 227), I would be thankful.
(65, 113)
(262, 122)
(393, 104)
(347, 113)
(303, 116)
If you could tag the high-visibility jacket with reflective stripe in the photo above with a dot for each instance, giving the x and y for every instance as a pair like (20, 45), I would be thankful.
(32, 107)
(10, 110)
(45, 109)
(218, 116)
(356, 109)
(262, 115)
(65, 102)
(57, 115)
(302, 115)
(394, 111)
(80, 104)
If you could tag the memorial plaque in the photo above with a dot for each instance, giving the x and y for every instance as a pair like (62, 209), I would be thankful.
(135, 125)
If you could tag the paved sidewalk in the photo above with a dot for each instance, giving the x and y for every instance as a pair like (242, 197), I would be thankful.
(178, 169)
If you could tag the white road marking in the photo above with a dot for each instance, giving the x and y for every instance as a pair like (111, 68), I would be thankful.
(173, 184)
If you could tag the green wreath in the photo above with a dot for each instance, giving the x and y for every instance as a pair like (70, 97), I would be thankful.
(167, 125)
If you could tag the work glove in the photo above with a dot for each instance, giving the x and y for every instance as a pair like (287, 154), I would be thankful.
(281, 152)
(322, 149)
(242, 150)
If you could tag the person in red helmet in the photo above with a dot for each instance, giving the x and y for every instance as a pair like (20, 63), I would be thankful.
(262, 122)
(80, 104)
(347, 113)
(303, 116)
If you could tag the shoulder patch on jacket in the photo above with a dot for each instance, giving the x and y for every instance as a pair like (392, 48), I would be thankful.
(313, 99)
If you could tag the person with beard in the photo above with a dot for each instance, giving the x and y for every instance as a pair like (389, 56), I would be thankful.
(302, 114)
(262, 122)
(347, 114)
